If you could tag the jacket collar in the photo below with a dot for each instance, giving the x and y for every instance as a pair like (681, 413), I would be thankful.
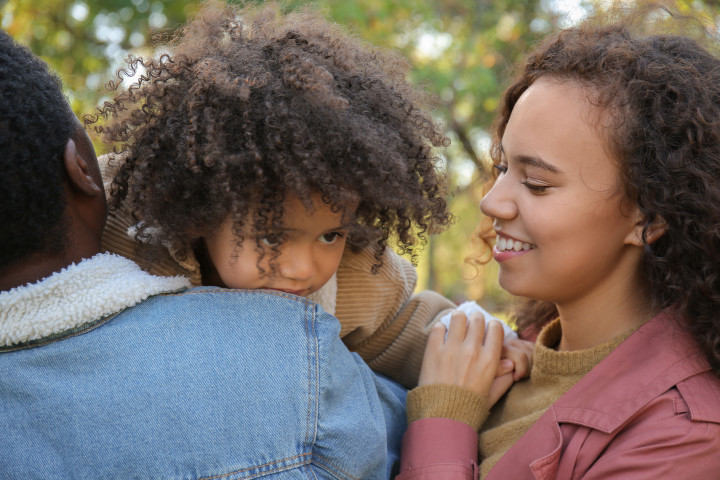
(77, 295)
(659, 355)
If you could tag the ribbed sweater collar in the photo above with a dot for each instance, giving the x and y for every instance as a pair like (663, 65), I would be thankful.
(549, 361)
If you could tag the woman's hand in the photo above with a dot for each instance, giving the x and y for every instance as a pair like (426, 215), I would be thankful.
(470, 357)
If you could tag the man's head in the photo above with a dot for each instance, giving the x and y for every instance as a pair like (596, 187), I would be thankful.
(47, 165)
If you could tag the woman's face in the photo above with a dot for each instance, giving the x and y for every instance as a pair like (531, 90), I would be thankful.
(564, 232)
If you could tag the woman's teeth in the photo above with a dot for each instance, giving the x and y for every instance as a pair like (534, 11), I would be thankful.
(510, 245)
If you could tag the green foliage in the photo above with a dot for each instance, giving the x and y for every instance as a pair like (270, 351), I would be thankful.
(84, 40)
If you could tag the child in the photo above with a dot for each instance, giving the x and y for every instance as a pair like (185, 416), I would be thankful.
(607, 204)
(260, 146)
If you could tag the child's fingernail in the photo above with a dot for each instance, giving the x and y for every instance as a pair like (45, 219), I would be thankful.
(507, 363)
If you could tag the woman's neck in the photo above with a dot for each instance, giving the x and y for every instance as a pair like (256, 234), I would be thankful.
(596, 320)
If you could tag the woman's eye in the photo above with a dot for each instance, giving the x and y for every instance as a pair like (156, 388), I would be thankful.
(533, 187)
(330, 238)
(500, 168)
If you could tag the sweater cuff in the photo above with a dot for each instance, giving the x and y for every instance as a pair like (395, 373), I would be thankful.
(439, 448)
(447, 401)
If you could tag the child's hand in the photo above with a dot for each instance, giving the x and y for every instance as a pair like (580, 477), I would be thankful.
(520, 352)
(465, 360)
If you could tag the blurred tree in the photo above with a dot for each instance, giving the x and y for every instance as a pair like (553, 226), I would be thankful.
(460, 50)
(85, 40)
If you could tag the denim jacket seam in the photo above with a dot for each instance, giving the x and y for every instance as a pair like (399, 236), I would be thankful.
(80, 330)
(292, 465)
(309, 335)
(221, 291)
(324, 461)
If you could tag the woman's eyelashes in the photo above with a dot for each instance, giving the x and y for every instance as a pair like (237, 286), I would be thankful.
(500, 168)
(534, 185)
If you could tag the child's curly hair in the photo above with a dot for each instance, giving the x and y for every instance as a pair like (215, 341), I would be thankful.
(663, 96)
(251, 106)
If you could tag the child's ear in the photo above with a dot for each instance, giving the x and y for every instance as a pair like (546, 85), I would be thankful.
(657, 229)
(78, 171)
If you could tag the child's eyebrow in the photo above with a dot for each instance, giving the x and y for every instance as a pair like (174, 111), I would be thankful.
(535, 162)
(344, 226)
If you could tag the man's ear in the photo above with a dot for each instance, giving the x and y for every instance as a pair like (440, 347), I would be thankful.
(657, 229)
(78, 172)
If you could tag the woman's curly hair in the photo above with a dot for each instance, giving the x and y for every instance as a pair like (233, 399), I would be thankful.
(36, 123)
(251, 105)
(662, 93)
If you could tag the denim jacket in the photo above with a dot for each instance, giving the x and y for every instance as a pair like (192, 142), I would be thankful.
(201, 383)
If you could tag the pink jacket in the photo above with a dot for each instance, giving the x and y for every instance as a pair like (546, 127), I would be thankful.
(650, 410)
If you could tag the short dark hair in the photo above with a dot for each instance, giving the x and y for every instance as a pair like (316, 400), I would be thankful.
(35, 124)
(252, 105)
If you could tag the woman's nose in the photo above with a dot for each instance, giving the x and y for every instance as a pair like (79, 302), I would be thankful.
(499, 202)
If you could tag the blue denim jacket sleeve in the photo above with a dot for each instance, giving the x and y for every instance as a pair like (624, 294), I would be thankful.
(209, 383)
(357, 407)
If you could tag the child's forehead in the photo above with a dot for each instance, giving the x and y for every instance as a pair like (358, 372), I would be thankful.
(295, 209)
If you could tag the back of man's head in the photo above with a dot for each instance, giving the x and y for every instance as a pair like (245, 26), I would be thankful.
(35, 125)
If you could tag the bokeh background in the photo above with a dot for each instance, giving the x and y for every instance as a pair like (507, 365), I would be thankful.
(461, 51)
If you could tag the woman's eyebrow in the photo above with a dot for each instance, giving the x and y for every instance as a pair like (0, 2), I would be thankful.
(535, 162)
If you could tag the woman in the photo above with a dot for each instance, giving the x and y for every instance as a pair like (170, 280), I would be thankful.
(607, 204)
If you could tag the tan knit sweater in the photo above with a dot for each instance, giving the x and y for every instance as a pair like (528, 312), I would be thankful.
(380, 318)
(553, 373)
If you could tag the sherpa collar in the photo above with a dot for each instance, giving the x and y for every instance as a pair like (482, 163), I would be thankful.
(78, 294)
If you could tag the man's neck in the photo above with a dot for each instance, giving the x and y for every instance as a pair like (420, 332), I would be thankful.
(37, 267)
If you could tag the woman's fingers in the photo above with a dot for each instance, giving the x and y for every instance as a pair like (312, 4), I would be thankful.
(436, 337)
(458, 327)
(470, 356)
(499, 386)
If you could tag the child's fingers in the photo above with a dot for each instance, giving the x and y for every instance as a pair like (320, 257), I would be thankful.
(520, 352)
(504, 367)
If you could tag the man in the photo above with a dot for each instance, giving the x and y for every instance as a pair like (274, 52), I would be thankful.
(109, 372)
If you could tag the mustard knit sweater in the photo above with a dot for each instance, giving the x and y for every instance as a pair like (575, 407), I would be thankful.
(553, 373)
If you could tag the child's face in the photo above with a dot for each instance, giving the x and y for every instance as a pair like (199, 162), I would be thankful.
(564, 233)
(309, 255)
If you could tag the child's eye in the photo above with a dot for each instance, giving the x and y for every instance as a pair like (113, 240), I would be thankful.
(500, 168)
(331, 237)
(272, 240)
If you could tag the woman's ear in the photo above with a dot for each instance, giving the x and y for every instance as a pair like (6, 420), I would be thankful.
(78, 171)
(657, 229)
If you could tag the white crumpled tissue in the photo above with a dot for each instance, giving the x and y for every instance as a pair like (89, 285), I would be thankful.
(472, 307)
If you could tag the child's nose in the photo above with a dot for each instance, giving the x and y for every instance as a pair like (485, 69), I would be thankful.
(297, 264)
(499, 201)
